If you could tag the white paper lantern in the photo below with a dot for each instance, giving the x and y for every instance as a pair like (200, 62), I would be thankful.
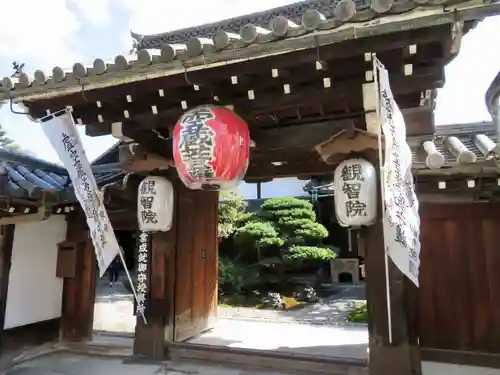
(155, 204)
(355, 193)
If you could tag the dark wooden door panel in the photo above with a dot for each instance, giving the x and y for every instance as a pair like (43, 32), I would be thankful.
(196, 261)
(459, 294)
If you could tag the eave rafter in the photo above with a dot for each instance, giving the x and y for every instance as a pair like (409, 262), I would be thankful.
(255, 89)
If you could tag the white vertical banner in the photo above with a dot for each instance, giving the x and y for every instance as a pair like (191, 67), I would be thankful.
(400, 215)
(61, 131)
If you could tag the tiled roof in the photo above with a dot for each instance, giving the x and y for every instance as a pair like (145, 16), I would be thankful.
(466, 133)
(29, 177)
(307, 24)
(330, 9)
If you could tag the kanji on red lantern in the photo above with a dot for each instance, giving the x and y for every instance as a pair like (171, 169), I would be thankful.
(211, 147)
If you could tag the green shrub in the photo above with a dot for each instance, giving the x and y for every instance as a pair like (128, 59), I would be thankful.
(234, 277)
(299, 253)
(231, 212)
(359, 314)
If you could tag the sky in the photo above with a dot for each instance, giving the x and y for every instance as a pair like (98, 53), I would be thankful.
(46, 33)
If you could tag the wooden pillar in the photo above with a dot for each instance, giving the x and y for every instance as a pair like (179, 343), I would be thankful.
(151, 339)
(402, 357)
(183, 275)
(79, 290)
(6, 242)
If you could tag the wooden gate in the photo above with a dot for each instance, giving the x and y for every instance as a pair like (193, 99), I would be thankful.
(196, 264)
(459, 295)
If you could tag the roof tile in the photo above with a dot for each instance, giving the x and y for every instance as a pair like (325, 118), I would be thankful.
(31, 176)
(228, 40)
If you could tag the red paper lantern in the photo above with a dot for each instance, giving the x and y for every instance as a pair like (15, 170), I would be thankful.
(211, 148)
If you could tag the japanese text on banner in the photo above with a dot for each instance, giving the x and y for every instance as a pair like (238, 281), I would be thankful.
(64, 138)
(401, 218)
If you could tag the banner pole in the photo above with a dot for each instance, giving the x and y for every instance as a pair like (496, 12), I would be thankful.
(382, 191)
(132, 286)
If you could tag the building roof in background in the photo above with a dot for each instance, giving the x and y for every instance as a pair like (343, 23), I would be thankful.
(465, 133)
(30, 177)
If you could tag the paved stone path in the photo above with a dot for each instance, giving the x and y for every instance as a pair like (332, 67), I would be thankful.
(113, 310)
(74, 364)
(302, 339)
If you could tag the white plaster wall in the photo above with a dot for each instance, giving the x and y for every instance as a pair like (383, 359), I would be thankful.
(34, 292)
(279, 187)
(433, 368)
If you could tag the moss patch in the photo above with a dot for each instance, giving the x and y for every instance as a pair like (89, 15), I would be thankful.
(291, 303)
(239, 300)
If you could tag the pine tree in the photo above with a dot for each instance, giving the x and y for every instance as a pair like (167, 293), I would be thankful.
(231, 211)
(286, 233)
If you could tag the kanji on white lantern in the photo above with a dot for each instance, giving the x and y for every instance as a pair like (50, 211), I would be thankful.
(355, 193)
(211, 147)
(155, 204)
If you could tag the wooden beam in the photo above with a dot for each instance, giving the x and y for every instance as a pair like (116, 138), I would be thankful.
(419, 120)
(296, 155)
(349, 89)
(460, 357)
(142, 162)
(150, 139)
(337, 51)
(346, 142)
(138, 159)
(312, 93)
(301, 135)
(257, 172)
(6, 243)
(467, 185)
(97, 129)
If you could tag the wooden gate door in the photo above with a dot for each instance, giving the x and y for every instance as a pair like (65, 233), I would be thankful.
(459, 294)
(196, 264)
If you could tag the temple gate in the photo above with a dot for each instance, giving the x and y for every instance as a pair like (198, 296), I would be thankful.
(305, 85)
